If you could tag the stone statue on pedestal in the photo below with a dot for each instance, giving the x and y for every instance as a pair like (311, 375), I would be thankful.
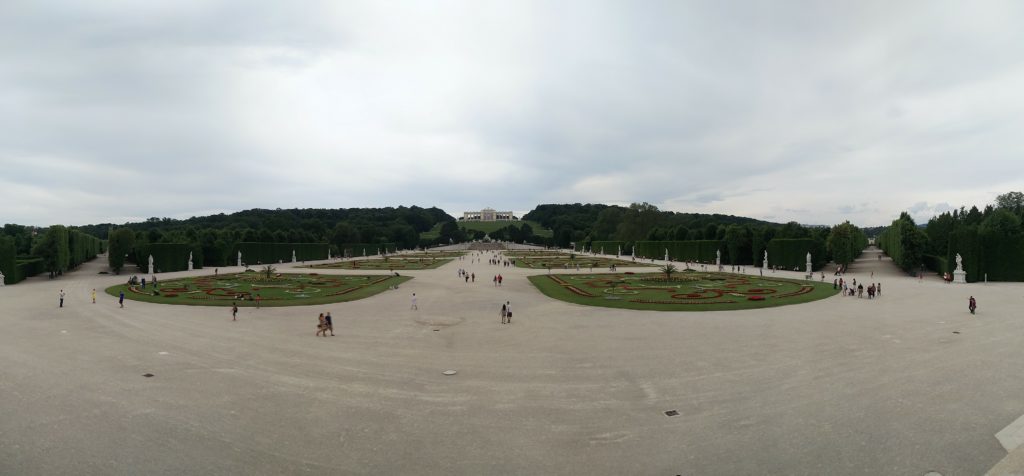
(1, 278)
(293, 256)
(959, 275)
(808, 263)
(765, 259)
(152, 270)
(718, 258)
(190, 261)
(239, 257)
(666, 254)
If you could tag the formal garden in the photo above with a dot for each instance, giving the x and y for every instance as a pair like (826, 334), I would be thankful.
(558, 260)
(412, 261)
(273, 289)
(679, 291)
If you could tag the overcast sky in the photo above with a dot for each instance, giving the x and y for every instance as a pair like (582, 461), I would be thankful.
(815, 112)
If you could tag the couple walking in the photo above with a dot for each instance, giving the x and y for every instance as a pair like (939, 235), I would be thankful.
(506, 313)
(325, 325)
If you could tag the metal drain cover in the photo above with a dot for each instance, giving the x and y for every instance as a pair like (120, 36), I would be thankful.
(672, 413)
(449, 372)
(147, 375)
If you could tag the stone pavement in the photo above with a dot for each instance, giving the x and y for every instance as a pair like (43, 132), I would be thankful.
(905, 384)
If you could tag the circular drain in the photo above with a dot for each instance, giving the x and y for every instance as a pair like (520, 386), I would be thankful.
(449, 372)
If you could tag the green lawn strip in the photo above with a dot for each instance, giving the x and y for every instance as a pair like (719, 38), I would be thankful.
(574, 288)
(284, 290)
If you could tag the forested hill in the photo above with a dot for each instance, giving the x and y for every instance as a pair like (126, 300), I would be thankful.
(300, 225)
(637, 222)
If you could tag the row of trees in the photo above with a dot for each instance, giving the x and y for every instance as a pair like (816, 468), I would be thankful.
(743, 240)
(990, 241)
(26, 251)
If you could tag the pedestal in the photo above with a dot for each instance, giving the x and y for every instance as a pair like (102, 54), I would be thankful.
(959, 276)
(190, 266)
(765, 264)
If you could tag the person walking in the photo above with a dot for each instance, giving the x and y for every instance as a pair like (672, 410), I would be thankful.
(321, 325)
(508, 312)
(120, 300)
(330, 324)
(504, 313)
(61, 298)
(94, 295)
(414, 307)
(234, 311)
(500, 279)
(972, 304)
(259, 299)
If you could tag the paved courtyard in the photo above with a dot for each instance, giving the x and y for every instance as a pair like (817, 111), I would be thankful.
(904, 384)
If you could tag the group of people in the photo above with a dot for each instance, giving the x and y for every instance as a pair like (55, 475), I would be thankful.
(854, 289)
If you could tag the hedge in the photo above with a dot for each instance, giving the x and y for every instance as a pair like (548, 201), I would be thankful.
(82, 247)
(268, 253)
(355, 250)
(694, 250)
(8, 260)
(28, 267)
(789, 253)
(168, 257)
(937, 264)
(610, 247)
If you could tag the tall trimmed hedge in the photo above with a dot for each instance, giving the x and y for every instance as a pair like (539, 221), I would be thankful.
(268, 253)
(27, 268)
(789, 253)
(692, 250)
(610, 247)
(82, 247)
(168, 257)
(356, 250)
(8, 260)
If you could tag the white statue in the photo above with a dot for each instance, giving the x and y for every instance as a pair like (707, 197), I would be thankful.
(152, 270)
(619, 252)
(602, 250)
(293, 256)
(1, 278)
(239, 257)
(666, 254)
(808, 256)
(328, 253)
(765, 256)
(190, 261)
(959, 262)
(634, 251)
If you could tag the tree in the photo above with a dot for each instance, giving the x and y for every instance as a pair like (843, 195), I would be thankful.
(269, 270)
(121, 242)
(1011, 201)
(668, 269)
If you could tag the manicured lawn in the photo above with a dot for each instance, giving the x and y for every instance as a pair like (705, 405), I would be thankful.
(687, 291)
(279, 290)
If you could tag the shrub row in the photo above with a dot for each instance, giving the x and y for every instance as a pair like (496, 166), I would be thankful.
(168, 257)
(789, 253)
(266, 253)
(355, 250)
(693, 250)
(609, 247)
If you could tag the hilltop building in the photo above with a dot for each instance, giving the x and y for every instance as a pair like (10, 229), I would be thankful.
(488, 214)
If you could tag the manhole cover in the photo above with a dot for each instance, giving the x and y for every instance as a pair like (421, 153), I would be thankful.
(147, 375)
(672, 413)
(449, 372)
